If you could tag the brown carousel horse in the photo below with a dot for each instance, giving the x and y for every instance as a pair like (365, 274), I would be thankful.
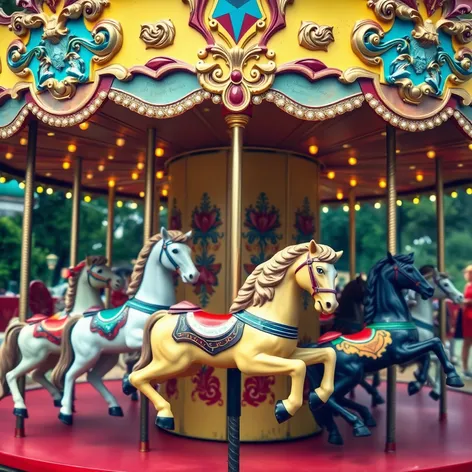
(259, 336)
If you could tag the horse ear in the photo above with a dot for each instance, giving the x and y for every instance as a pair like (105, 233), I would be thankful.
(338, 256)
(164, 234)
(313, 248)
(188, 234)
(89, 260)
(390, 257)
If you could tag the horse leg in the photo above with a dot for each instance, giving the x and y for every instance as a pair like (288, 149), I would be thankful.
(376, 379)
(435, 382)
(39, 376)
(359, 428)
(130, 363)
(324, 418)
(377, 399)
(365, 413)
(421, 375)
(409, 352)
(95, 376)
(265, 364)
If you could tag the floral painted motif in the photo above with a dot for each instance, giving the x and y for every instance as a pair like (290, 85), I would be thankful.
(172, 389)
(262, 221)
(207, 387)
(304, 232)
(257, 390)
(175, 221)
(206, 220)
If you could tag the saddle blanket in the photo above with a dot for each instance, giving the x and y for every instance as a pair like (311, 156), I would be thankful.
(107, 323)
(212, 333)
(51, 328)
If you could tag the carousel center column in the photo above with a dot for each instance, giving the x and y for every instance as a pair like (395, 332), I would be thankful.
(236, 123)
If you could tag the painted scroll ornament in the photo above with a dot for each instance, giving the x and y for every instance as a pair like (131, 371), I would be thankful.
(315, 37)
(158, 35)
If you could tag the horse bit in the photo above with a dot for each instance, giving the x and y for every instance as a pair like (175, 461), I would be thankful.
(314, 284)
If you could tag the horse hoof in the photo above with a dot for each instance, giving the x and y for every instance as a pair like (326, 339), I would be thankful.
(370, 422)
(453, 380)
(115, 411)
(413, 388)
(378, 400)
(335, 439)
(165, 423)
(127, 387)
(58, 403)
(20, 412)
(134, 396)
(281, 413)
(315, 401)
(66, 419)
(361, 431)
(434, 395)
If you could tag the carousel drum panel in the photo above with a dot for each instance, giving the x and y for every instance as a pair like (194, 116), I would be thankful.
(274, 214)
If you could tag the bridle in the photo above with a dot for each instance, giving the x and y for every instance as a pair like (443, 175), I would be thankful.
(165, 250)
(314, 284)
(398, 270)
(96, 276)
(437, 281)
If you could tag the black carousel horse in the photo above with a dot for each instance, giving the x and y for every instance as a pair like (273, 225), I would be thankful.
(390, 338)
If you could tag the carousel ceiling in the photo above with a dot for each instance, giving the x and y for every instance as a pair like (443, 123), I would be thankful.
(350, 149)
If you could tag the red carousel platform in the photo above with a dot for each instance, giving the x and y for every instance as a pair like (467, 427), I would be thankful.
(98, 442)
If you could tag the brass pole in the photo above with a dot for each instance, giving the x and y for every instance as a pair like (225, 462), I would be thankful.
(75, 224)
(157, 214)
(441, 268)
(148, 226)
(110, 231)
(26, 237)
(390, 445)
(352, 234)
(236, 123)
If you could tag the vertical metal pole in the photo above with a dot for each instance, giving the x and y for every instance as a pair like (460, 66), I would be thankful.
(390, 445)
(26, 246)
(236, 124)
(75, 224)
(157, 214)
(110, 228)
(352, 234)
(441, 268)
(148, 226)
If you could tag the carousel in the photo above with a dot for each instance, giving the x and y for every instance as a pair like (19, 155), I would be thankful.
(245, 119)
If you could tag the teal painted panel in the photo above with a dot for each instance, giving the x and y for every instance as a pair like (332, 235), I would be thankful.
(320, 93)
(10, 109)
(170, 89)
(466, 111)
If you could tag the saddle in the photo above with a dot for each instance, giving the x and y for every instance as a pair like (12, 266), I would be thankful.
(362, 336)
(214, 333)
(51, 328)
(107, 323)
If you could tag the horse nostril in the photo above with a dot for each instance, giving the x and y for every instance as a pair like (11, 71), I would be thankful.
(190, 276)
(328, 304)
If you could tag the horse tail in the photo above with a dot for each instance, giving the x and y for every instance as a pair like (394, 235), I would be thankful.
(66, 357)
(146, 350)
(10, 354)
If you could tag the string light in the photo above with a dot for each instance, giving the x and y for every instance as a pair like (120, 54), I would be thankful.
(39, 189)
(134, 175)
(454, 194)
(432, 198)
(339, 195)
(397, 151)
(48, 174)
(2, 179)
(120, 142)
(69, 195)
(160, 174)
(111, 183)
(84, 126)
(470, 146)
(101, 167)
(345, 208)
(141, 194)
(416, 200)
(430, 154)
(87, 199)
(111, 157)
(352, 161)
(357, 206)
(346, 146)
(412, 167)
(133, 205)
(119, 203)
(49, 191)
(140, 165)
(23, 141)
(331, 175)
(399, 203)
(165, 192)
(377, 205)
(21, 185)
(460, 164)
(161, 208)
(159, 152)
(72, 148)
(325, 209)
(51, 134)
(419, 177)
(313, 149)
(8, 155)
(469, 191)
(89, 175)
(353, 182)
(66, 165)
(382, 183)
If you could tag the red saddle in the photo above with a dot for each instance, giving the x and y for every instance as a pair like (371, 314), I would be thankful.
(202, 317)
(50, 328)
(360, 336)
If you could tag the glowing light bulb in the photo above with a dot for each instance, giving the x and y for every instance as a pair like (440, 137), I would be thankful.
(164, 192)
(141, 194)
(135, 175)
(313, 149)
(69, 195)
(416, 200)
(460, 164)
(412, 167)
(51, 134)
(72, 148)
(22, 185)
(84, 126)
(2, 179)
(8, 155)
(325, 209)
(161, 208)
(353, 182)
(345, 208)
(133, 205)
(382, 183)
(101, 167)
(470, 146)
(399, 203)
(111, 183)
(140, 165)
(352, 161)
(377, 205)
(66, 165)
(160, 174)
(23, 141)
(119, 203)
(419, 177)
(111, 157)
(432, 198)
(357, 207)
(120, 142)
(49, 191)
(159, 152)
(430, 154)
(454, 194)
(339, 195)
(39, 189)
(331, 175)
(87, 199)
(89, 175)
(469, 191)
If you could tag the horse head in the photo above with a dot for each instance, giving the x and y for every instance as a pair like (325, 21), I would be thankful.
(100, 275)
(443, 286)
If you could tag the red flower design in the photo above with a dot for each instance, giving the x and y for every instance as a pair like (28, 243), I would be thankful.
(207, 278)
(305, 224)
(205, 221)
(257, 389)
(171, 388)
(207, 386)
(263, 221)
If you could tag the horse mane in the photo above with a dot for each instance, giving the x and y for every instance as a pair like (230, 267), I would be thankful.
(259, 287)
(370, 302)
(73, 281)
(138, 271)
(429, 269)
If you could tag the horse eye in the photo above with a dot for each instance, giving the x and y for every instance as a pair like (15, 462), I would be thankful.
(409, 269)
(99, 271)
(175, 251)
(319, 270)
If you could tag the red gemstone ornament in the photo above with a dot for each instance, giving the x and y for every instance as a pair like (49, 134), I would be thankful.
(236, 76)
(236, 95)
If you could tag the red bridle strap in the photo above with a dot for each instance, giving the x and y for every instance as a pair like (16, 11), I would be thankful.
(411, 279)
(314, 284)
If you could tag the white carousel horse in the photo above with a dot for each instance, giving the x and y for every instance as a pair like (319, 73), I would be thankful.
(93, 342)
(35, 345)
(422, 313)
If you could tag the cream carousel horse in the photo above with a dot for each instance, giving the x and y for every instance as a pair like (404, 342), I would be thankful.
(93, 342)
(259, 336)
(35, 345)
(422, 313)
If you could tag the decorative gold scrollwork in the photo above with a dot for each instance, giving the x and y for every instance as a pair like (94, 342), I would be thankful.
(315, 37)
(158, 35)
